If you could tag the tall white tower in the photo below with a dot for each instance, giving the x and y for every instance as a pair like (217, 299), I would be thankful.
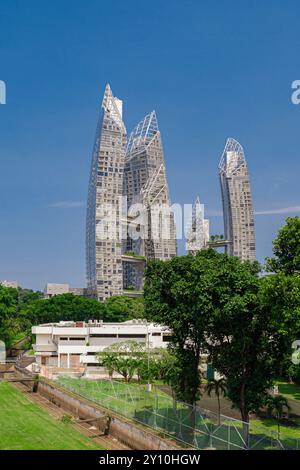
(103, 229)
(237, 202)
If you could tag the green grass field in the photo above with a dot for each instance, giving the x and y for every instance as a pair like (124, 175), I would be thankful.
(290, 391)
(26, 426)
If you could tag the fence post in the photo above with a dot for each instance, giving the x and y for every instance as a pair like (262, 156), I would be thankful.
(155, 410)
(228, 437)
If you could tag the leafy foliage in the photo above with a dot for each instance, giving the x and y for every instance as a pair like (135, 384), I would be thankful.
(129, 358)
(217, 304)
(286, 248)
(219, 387)
(121, 308)
(20, 309)
(173, 297)
(277, 405)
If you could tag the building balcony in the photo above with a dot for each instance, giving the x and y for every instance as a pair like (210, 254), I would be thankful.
(44, 347)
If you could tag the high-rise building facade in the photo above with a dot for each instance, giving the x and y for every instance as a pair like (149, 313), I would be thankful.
(198, 229)
(145, 184)
(237, 202)
(103, 226)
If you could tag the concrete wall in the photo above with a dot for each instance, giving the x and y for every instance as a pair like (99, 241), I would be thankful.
(131, 434)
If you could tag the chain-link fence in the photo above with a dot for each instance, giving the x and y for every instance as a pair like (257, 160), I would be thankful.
(190, 425)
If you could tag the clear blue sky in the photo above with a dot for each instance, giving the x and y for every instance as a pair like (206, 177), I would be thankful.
(210, 69)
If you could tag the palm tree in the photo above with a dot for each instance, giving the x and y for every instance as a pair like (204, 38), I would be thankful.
(276, 405)
(219, 387)
(108, 360)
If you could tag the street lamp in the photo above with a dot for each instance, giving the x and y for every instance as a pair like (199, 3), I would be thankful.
(148, 356)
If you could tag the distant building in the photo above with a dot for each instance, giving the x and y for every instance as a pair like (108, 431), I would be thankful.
(13, 284)
(58, 289)
(76, 344)
(237, 202)
(198, 230)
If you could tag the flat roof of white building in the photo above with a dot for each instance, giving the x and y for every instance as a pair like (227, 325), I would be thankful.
(74, 327)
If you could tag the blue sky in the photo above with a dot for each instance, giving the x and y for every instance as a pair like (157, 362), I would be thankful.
(210, 70)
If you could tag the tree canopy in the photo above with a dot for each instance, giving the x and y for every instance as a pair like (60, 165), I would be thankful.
(286, 248)
(218, 305)
(20, 309)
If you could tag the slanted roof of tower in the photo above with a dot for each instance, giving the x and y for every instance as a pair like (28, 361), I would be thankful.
(109, 105)
(197, 211)
(142, 134)
(233, 156)
(155, 185)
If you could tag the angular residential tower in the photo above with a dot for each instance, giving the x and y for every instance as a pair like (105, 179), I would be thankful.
(103, 226)
(237, 202)
(145, 184)
(198, 229)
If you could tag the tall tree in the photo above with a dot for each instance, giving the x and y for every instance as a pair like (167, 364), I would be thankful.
(277, 405)
(250, 336)
(173, 297)
(219, 387)
(286, 248)
(286, 261)
(217, 303)
(8, 312)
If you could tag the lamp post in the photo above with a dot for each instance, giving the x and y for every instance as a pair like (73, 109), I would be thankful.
(148, 356)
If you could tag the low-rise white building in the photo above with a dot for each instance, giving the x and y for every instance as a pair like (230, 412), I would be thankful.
(76, 344)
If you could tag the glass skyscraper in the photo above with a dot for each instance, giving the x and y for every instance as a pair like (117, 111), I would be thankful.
(136, 173)
(103, 222)
(237, 202)
(145, 184)
(198, 229)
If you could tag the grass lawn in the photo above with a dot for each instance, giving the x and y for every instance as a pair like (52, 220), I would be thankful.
(26, 426)
(290, 391)
(271, 425)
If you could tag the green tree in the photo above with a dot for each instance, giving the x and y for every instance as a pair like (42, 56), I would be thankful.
(286, 261)
(65, 307)
(173, 297)
(216, 303)
(276, 405)
(8, 312)
(219, 388)
(122, 308)
(286, 248)
(109, 360)
(124, 358)
(251, 334)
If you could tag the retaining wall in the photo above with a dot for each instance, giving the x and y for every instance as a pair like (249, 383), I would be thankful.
(131, 434)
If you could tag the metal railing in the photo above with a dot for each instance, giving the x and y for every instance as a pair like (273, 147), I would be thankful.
(188, 424)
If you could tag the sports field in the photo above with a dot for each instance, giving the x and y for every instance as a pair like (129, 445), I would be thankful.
(157, 410)
(26, 426)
